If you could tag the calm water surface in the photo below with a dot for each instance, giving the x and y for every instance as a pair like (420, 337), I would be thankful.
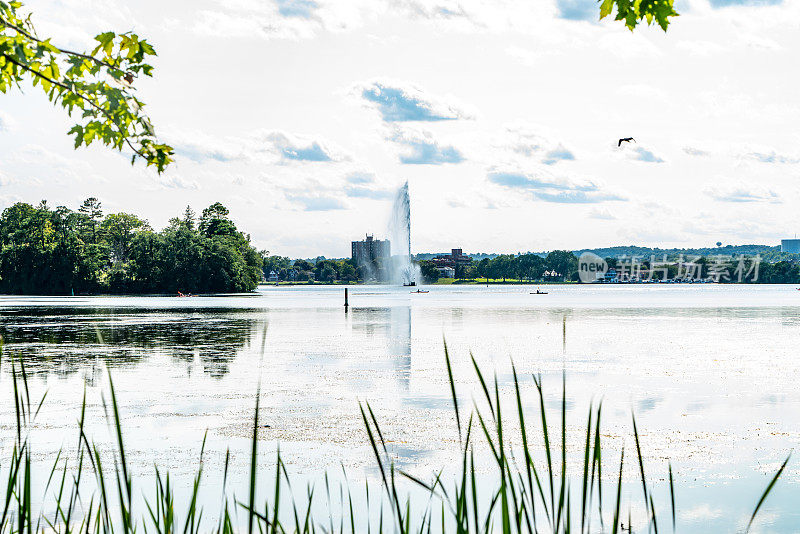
(711, 372)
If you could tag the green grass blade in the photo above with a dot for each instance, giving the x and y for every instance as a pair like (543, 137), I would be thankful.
(615, 527)
(525, 448)
(253, 467)
(545, 434)
(641, 462)
(585, 482)
(672, 495)
(766, 493)
(452, 387)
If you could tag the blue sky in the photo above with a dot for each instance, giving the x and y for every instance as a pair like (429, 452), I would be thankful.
(305, 116)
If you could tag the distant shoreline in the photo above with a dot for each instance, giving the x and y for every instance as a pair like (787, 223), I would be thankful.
(455, 282)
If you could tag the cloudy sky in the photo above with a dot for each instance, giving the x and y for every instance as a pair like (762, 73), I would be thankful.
(304, 116)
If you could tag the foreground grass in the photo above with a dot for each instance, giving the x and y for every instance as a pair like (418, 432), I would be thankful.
(527, 497)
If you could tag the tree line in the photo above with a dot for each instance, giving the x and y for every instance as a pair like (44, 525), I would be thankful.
(61, 251)
(557, 266)
(562, 266)
(322, 270)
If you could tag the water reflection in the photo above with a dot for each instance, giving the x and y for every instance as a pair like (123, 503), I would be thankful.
(388, 326)
(400, 343)
(62, 341)
(686, 366)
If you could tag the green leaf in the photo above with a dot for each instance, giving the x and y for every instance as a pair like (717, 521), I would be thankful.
(605, 8)
(634, 11)
(106, 41)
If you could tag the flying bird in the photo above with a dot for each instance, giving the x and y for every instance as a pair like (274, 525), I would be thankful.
(625, 140)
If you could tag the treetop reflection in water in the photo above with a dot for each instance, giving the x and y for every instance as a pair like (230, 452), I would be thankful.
(62, 341)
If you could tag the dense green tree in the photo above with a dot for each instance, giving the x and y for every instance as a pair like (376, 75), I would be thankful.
(429, 271)
(782, 272)
(279, 264)
(91, 212)
(531, 266)
(214, 221)
(327, 273)
(189, 217)
(303, 265)
(563, 262)
(48, 251)
(119, 229)
(482, 269)
(347, 271)
(40, 248)
(502, 267)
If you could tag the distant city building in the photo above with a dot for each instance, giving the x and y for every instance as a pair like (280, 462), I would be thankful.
(370, 250)
(790, 245)
(446, 272)
(452, 260)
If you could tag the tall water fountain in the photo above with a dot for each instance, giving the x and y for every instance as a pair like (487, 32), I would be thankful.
(404, 271)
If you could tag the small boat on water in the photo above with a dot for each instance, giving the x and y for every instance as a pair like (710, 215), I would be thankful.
(412, 283)
(537, 292)
(421, 291)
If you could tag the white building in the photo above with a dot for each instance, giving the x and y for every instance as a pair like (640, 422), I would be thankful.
(446, 272)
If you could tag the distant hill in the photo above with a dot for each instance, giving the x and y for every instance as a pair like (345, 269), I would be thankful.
(768, 252)
(646, 252)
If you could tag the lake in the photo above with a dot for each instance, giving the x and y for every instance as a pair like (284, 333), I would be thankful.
(710, 371)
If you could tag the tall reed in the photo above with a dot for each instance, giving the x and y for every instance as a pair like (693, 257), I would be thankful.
(524, 495)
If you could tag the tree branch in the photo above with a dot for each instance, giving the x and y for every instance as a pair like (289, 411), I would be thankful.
(79, 95)
(63, 50)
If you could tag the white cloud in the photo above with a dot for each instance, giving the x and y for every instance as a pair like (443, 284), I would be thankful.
(638, 152)
(642, 90)
(5, 180)
(403, 102)
(771, 156)
(283, 19)
(701, 512)
(6, 122)
(742, 192)
(700, 48)
(548, 188)
(421, 148)
(602, 214)
(628, 46)
(302, 148)
(249, 117)
(695, 151)
(200, 146)
(264, 146)
(523, 55)
(316, 202)
(173, 181)
(761, 43)
(530, 141)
